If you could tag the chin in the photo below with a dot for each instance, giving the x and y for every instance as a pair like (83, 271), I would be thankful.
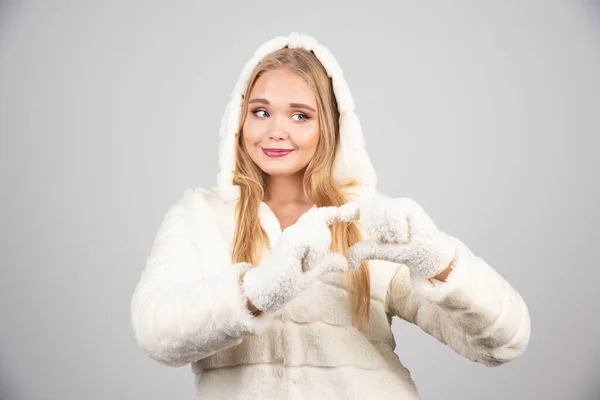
(286, 166)
(281, 170)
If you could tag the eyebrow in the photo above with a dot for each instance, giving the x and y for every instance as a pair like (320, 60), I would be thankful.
(292, 105)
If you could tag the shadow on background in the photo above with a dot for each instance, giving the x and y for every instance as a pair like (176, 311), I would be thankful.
(8, 390)
(591, 380)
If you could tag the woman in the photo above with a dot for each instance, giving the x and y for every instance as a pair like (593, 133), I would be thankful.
(281, 281)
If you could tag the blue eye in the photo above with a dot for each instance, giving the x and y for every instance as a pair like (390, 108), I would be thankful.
(304, 117)
(256, 112)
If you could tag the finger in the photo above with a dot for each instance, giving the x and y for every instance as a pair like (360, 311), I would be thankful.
(388, 221)
(372, 250)
(330, 262)
(349, 212)
(415, 256)
(395, 252)
(421, 224)
(318, 213)
(331, 214)
(417, 218)
(327, 215)
(364, 250)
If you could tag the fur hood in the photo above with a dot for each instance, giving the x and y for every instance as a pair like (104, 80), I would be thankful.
(352, 163)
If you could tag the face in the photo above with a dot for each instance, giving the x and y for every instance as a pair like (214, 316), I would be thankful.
(281, 130)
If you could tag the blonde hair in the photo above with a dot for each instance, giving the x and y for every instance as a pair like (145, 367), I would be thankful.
(250, 239)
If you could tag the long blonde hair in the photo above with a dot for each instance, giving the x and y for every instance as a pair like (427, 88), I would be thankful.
(250, 239)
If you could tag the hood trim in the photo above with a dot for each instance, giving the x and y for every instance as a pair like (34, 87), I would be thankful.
(352, 162)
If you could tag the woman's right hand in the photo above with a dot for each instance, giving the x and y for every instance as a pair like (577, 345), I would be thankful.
(300, 257)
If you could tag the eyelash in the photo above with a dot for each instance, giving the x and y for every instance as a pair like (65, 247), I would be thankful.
(304, 116)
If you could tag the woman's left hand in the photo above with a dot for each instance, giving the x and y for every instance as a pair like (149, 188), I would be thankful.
(401, 232)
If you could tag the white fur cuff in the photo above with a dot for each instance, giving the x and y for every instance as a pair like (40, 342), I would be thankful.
(229, 305)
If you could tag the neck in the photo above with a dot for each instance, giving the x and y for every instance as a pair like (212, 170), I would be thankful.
(286, 189)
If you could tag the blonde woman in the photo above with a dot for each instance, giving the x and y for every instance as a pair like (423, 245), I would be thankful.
(282, 280)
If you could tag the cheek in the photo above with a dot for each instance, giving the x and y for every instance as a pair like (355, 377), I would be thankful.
(249, 134)
(309, 139)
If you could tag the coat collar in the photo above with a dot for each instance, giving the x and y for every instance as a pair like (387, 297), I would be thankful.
(269, 222)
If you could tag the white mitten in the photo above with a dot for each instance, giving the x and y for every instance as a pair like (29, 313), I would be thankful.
(300, 256)
(401, 232)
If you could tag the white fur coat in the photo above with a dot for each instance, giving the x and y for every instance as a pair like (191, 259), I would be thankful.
(188, 307)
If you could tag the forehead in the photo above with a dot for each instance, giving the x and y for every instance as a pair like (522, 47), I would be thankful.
(283, 86)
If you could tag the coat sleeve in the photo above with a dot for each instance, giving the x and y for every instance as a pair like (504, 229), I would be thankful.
(475, 311)
(179, 313)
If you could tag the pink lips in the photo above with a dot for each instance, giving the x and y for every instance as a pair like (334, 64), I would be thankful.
(276, 152)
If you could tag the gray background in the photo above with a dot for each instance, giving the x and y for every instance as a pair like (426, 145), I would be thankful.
(485, 112)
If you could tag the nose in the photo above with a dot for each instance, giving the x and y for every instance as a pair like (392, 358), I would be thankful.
(278, 130)
(278, 135)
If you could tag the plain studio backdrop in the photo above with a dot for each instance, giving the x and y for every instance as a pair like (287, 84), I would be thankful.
(487, 113)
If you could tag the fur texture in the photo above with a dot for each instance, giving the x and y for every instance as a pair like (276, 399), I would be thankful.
(401, 232)
(176, 300)
(300, 257)
(188, 307)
